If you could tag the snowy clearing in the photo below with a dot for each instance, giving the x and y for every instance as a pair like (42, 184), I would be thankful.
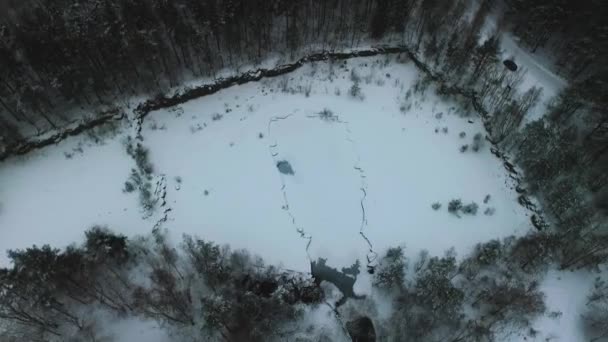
(368, 157)
(366, 172)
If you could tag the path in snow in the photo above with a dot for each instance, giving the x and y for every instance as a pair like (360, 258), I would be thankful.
(536, 74)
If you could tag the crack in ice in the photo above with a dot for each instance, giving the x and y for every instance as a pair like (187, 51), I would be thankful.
(286, 207)
(371, 255)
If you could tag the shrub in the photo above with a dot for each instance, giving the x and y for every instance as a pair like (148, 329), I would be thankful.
(355, 91)
(489, 211)
(464, 148)
(145, 189)
(454, 206)
(129, 187)
(284, 84)
(477, 142)
(217, 117)
(140, 154)
(261, 135)
(354, 76)
(408, 94)
(390, 273)
(555, 314)
(307, 90)
(462, 135)
(445, 130)
(327, 114)
(470, 209)
(436, 206)
(486, 199)
(197, 128)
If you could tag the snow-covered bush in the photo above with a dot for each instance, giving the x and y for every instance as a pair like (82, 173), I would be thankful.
(143, 185)
(327, 115)
(390, 273)
(477, 142)
(284, 84)
(489, 211)
(354, 76)
(436, 206)
(470, 209)
(355, 91)
(405, 107)
(307, 89)
(454, 206)
(129, 187)
(141, 156)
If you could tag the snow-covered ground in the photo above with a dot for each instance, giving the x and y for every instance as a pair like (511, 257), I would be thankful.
(566, 293)
(364, 179)
(371, 158)
(47, 198)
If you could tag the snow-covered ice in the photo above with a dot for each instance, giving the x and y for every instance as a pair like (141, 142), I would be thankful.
(370, 168)
(369, 153)
(369, 157)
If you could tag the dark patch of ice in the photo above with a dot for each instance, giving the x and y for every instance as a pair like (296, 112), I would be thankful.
(285, 168)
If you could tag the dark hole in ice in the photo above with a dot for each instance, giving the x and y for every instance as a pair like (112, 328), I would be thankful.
(344, 280)
(285, 168)
(361, 330)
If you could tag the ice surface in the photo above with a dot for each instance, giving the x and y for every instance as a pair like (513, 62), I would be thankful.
(370, 169)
